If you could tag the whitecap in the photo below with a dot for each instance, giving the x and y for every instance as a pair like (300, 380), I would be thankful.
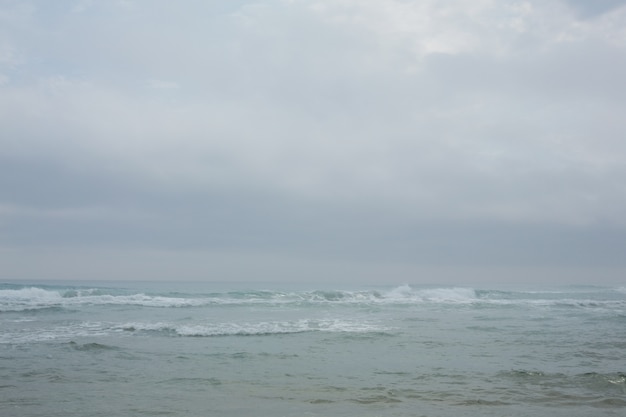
(253, 328)
(405, 293)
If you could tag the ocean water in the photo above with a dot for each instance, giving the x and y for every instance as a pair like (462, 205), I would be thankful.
(190, 349)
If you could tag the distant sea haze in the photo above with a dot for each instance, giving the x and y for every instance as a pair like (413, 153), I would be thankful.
(198, 349)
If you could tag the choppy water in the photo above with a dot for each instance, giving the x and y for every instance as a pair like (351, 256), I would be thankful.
(149, 349)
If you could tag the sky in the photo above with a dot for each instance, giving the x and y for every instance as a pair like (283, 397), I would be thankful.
(388, 141)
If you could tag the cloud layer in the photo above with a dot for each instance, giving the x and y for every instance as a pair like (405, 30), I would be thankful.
(368, 134)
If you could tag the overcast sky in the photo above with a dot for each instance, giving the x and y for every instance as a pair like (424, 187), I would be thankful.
(390, 141)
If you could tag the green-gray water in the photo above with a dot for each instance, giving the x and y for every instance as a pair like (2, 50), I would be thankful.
(147, 349)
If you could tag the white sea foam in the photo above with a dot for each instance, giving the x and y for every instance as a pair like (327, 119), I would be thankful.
(28, 298)
(37, 298)
(402, 294)
(33, 298)
(456, 295)
(253, 329)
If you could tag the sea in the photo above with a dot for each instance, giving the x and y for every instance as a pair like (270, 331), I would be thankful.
(220, 349)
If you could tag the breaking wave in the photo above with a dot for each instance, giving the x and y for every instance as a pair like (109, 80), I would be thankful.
(253, 329)
(33, 298)
(37, 298)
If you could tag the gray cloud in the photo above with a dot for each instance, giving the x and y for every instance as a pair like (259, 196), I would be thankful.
(590, 9)
(351, 135)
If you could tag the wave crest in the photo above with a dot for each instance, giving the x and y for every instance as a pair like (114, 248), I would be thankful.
(33, 298)
(253, 329)
(36, 298)
(455, 294)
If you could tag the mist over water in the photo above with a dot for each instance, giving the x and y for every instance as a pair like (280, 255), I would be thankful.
(208, 349)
